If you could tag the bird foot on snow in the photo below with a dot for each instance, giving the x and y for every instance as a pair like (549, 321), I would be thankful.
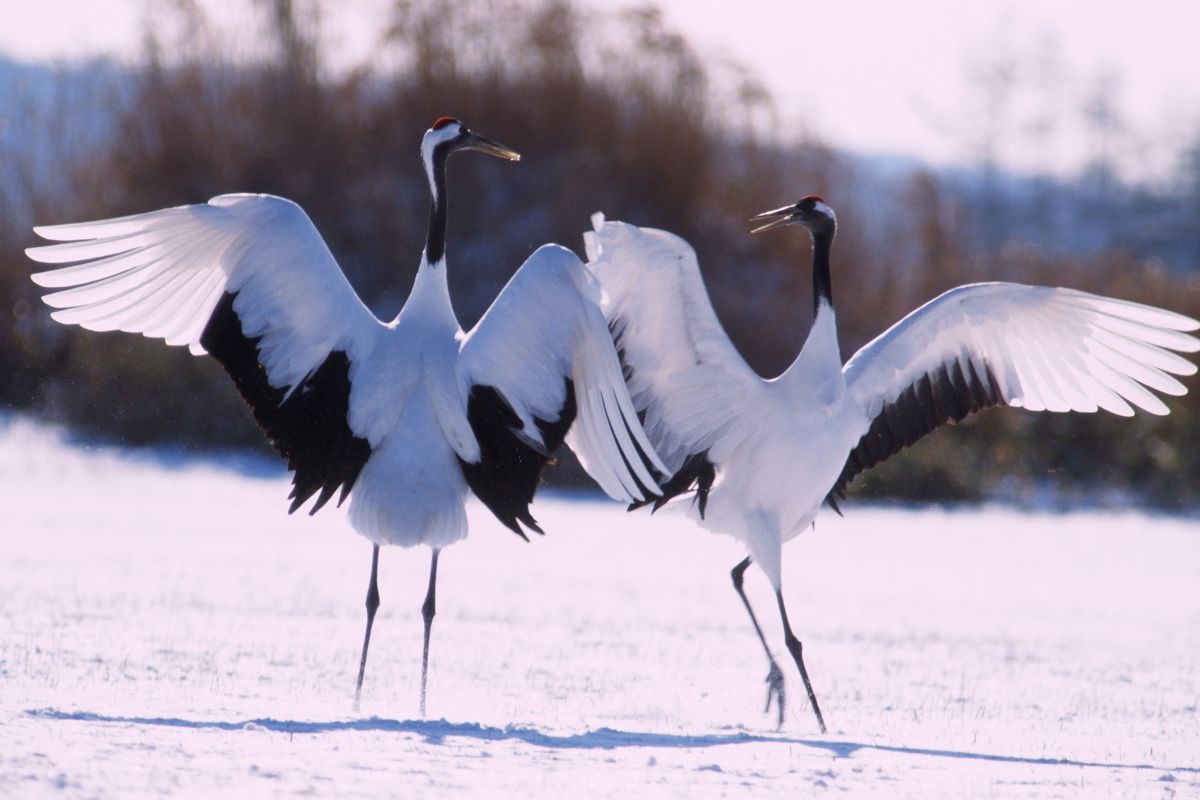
(774, 681)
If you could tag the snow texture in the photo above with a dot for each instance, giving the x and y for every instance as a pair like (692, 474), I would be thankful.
(167, 630)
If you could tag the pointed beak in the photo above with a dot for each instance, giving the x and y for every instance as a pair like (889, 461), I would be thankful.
(477, 142)
(775, 218)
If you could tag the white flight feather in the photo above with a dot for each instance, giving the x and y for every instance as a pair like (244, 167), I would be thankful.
(1034, 347)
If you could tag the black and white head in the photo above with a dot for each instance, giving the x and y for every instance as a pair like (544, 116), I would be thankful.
(447, 135)
(811, 211)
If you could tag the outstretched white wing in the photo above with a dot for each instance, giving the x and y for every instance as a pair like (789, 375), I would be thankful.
(540, 358)
(249, 279)
(1040, 348)
(682, 371)
(162, 273)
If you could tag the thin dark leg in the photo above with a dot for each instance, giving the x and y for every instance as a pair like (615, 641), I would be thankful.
(372, 607)
(795, 648)
(428, 609)
(774, 678)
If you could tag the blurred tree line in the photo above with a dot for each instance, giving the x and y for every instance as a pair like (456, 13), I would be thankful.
(613, 112)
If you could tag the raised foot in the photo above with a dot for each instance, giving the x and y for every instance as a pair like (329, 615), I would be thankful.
(774, 681)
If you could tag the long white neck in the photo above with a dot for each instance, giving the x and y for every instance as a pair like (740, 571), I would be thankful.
(818, 368)
(429, 300)
(430, 297)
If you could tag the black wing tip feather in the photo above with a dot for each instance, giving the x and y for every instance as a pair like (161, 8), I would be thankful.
(519, 522)
(697, 475)
(309, 427)
(832, 501)
(509, 468)
(946, 395)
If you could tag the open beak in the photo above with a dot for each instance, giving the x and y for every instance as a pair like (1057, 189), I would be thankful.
(477, 142)
(775, 218)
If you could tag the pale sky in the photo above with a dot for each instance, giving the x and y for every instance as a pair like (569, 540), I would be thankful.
(892, 76)
(887, 77)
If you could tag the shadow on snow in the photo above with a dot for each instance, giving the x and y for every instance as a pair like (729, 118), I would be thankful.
(436, 731)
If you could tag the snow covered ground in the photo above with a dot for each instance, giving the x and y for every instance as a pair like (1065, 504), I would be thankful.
(166, 629)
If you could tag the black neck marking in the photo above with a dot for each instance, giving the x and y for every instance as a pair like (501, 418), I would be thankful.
(822, 284)
(435, 241)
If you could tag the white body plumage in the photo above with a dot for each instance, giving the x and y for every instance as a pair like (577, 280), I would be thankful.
(409, 380)
(405, 417)
(780, 446)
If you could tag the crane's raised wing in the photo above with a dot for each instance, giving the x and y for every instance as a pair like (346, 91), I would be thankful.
(539, 360)
(687, 380)
(248, 279)
(991, 344)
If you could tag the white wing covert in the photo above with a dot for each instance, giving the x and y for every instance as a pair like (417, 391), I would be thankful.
(249, 279)
(686, 378)
(540, 359)
(1035, 347)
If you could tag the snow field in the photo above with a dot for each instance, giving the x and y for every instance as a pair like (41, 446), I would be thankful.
(166, 629)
